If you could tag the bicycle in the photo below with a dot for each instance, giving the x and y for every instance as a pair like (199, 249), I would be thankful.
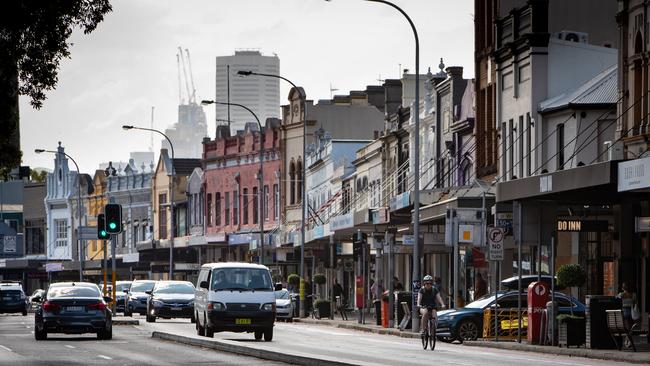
(429, 336)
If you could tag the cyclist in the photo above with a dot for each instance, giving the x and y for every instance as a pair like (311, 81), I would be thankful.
(428, 297)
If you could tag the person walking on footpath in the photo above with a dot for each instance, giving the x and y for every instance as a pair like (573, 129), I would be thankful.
(628, 305)
(397, 286)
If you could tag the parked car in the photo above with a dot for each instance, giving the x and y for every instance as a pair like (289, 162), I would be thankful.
(121, 292)
(73, 308)
(283, 305)
(235, 297)
(137, 297)
(12, 298)
(171, 299)
(466, 323)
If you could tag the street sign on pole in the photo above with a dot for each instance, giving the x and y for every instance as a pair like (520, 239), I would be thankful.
(495, 241)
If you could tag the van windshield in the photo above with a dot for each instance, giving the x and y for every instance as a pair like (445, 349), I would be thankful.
(243, 279)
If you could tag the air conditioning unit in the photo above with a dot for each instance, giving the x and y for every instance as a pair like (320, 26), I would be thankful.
(571, 36)
(614, 150)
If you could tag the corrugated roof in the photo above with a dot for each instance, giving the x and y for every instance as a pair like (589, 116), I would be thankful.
(602, 89)
(186, 166)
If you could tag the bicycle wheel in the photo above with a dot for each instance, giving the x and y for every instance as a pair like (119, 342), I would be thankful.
(432, 337)
(425, 340)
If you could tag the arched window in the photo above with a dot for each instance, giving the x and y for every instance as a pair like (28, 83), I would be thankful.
(299, 175)
(639, 95)
(292, 182)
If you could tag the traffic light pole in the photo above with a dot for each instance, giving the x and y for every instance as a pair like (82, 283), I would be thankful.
(105, 267)
(113, 270)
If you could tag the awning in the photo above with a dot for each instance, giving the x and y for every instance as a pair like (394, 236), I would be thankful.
(470, 198)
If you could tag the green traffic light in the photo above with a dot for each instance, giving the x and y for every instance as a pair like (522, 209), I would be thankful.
(104, 233)
(112, 226)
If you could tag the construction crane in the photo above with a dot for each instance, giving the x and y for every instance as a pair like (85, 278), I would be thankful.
(189, 64)
(187, 86)
(178, 68)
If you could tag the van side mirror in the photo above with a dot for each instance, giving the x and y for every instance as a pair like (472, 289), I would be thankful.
(148, 292)
(204, 284)
(278, 286)
(126, 291)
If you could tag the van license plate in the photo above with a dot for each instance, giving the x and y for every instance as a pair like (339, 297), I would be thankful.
(242, 321)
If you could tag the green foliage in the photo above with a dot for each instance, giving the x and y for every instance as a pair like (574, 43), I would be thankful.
(293, 279)
(277, 278)
(571, 275)
(319, 279)
(36, 176)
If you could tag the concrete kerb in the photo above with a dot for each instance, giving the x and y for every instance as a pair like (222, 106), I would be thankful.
(359, 327)
(607, 355)
(126, 322)
(296, 359)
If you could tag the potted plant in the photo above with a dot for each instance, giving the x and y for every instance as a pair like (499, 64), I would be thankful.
(294, 280)
(571, 330)
(319, 279)
(322, 309)
(571, 275)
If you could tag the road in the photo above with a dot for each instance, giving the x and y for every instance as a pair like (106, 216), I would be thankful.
(131, 345)
(374, 349)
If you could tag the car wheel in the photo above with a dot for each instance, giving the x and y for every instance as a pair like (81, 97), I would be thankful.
(127, 313)
(151, 319)
(268, 335)
(199, 329)
(40, 335)
(467, 331)
(209, 332)
(258, 335)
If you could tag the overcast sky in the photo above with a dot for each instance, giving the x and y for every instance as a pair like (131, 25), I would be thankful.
(117, 73)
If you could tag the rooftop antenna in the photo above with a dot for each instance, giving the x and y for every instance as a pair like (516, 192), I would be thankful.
(187, 86)
(380, 79)
(189, 64)
(178, 69)
(332, 90)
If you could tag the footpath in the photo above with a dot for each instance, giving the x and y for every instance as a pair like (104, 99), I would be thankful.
(642, 356)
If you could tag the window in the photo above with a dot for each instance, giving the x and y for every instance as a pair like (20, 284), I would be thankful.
(209, 213)
(35, 236)
(299, 175)
(266, 203)
(162, 216)
(511, 148)
(61, 233)
(235, 207)
(560, 146)
(276, 201)
(256, 211)
(217, 209)
(520, 148)
(292, 183)
(226, 207)
(528, 147)
(504, 133)
(246, 198)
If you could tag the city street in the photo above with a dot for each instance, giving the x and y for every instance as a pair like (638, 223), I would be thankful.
(131, 345)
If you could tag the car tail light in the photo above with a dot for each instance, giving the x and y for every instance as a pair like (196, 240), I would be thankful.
(97, 306)
(50, 306)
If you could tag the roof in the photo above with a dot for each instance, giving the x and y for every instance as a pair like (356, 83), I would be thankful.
(186, 166)
(81, 284)
(234, 265)
(601, 90)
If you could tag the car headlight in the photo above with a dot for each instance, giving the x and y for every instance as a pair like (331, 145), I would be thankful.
(157, 303)
(216, 306)
(269, 306)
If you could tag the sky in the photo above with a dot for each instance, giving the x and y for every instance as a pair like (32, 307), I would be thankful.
(128, 64)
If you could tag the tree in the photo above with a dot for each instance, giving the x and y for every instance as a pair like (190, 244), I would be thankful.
(34, 39)
(571, 275)
(38, 176)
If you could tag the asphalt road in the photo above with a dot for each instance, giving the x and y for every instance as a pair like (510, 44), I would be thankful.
(131, 345)
(374, 349)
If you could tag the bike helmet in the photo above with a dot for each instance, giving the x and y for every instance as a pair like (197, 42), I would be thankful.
(427, 278)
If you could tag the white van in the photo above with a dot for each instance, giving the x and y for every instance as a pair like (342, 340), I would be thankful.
(235, 297)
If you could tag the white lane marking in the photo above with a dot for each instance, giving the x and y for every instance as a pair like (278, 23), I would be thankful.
(6, 348)
(69, 346)
(104, 357)
(138, 327)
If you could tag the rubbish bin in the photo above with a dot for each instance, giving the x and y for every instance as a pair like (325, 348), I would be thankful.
(384, 309)
(597, 334)
(377, 304)
(400, 297)
(551, 322)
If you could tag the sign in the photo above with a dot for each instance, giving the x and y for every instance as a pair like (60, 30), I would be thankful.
(538, 296)
(495, 242)
(342, 222)
(641, 224)
(348, 266)
(408, 239)
(632, 174)
(10, 244)
(88, 232)
(186, 266)
(360, 295)
(53, 267)
(381, 216)
(236, 239)
(583, 225)
(466, 234)
(400, 201)
(131, 258)
(504, 220)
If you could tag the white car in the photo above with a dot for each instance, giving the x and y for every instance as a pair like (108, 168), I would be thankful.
(283, 305)
(235, 297)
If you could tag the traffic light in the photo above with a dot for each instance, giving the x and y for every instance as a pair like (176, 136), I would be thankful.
(113, 215)
(358, 245)
(101, 228)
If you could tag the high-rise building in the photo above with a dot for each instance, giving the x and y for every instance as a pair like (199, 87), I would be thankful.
(187, 135)
(260, 94)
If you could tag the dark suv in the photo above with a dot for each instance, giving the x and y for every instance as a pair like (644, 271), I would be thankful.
(13, 299)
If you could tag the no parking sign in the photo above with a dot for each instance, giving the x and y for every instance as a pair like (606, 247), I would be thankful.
(495, 241)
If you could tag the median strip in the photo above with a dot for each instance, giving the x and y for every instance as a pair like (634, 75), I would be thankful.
(296, 359)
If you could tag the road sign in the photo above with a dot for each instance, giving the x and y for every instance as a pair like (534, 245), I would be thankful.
(495, 241)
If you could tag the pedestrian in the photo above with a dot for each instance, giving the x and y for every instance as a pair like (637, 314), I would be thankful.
(480, 286)
(628, 305)
(397, 286)
(376, 290)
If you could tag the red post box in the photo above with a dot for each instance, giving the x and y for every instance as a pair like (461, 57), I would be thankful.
(538, 294)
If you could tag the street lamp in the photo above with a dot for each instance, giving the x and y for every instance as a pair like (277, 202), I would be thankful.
(79, 247)
(171, 195)
(416, 157)
(304, 182)
(260, 194)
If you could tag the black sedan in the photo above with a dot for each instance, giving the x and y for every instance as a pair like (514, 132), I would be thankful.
(73, 308)
(171, 299)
